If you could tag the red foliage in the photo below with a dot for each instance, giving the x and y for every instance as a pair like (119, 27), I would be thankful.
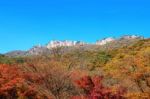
(13, 84)
(94, 89)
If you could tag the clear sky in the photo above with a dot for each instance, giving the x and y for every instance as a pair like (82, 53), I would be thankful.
(24, 23)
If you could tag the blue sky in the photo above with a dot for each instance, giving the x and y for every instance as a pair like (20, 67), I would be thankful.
(24, 23)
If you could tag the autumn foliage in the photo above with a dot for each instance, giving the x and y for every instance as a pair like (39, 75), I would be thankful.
(13, 84)
(94, 89)
(125, 74)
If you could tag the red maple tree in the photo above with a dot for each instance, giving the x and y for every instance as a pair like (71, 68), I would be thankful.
(94, 89)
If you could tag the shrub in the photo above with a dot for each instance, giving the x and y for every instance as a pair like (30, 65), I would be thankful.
(13, 85)
(94, 89)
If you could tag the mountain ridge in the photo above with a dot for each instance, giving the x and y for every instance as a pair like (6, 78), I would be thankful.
(102, 44)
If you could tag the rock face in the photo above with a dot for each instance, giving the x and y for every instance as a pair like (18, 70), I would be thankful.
(110, 39)
(127, 37)
(38, 50)
(105, 41)
(54, 44)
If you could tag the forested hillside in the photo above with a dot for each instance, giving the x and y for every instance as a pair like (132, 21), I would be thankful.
(116, 71)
